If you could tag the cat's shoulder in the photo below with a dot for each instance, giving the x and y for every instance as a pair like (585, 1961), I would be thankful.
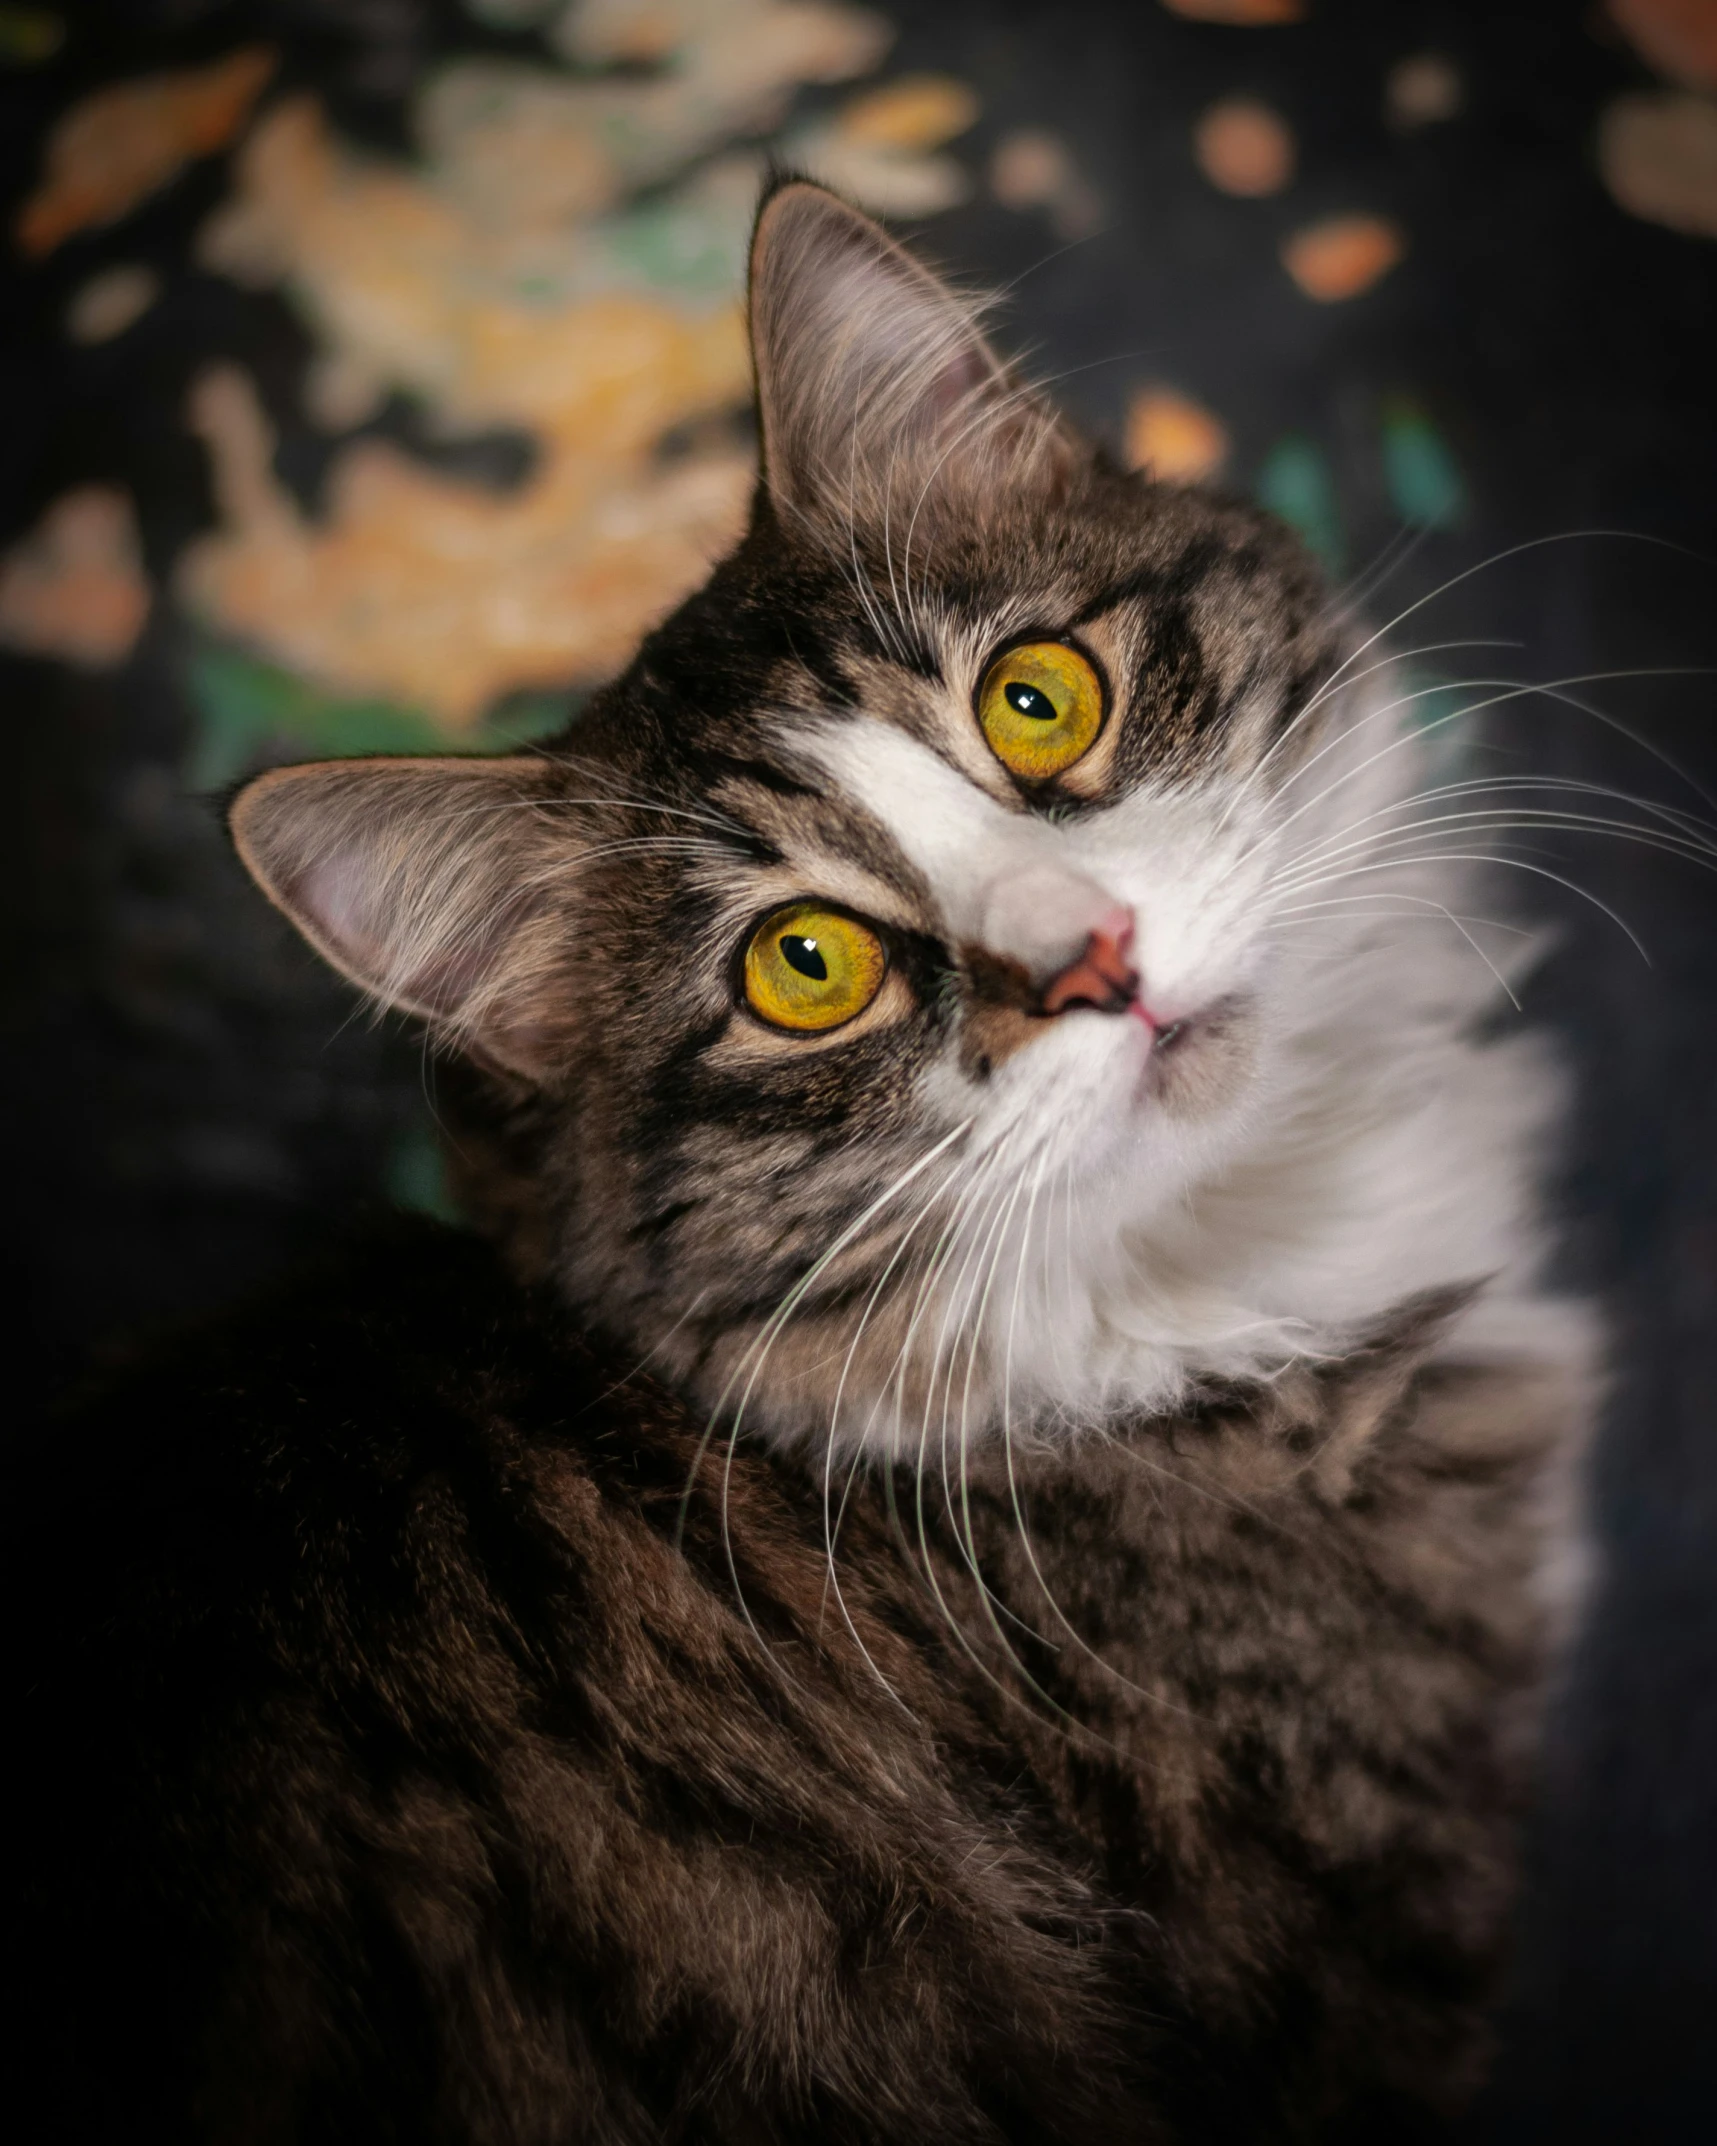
(380, 1409)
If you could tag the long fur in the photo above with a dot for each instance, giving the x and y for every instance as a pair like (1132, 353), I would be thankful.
(992, 1574)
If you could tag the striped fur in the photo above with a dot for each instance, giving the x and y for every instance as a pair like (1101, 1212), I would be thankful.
(1219, 1335)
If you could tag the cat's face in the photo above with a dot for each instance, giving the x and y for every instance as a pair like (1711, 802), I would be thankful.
(894, 954)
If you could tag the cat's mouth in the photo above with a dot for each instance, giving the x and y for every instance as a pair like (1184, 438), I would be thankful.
(1196, 1058)
(1166, 1029)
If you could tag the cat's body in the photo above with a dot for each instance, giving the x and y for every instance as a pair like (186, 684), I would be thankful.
(416, 1756)
(997, 1576)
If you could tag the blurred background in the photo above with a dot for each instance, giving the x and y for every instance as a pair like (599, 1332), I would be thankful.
(372, 375)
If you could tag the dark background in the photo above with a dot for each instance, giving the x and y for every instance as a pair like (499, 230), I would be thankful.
(187, 1103)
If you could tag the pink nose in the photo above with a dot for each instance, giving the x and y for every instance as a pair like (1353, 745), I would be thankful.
(1102, 977)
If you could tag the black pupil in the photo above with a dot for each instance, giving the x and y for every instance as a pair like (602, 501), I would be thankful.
(801, 954)
(1027, 700)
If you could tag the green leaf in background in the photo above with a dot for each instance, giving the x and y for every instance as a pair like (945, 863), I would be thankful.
(417, 1174)
(247, 707)
(1439, 710)
(1297, 483)
(29, 36)
(1424, 484)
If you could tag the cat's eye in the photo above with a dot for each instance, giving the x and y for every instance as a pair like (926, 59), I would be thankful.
(1041, 706)
(809, 967)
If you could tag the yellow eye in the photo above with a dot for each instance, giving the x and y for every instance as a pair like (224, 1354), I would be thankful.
(1041, 706)
(810, 968)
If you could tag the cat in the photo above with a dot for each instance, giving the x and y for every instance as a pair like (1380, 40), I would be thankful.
(975, 1548)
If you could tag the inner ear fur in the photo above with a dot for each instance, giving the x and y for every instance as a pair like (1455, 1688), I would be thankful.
(437, 886)
(878, 396)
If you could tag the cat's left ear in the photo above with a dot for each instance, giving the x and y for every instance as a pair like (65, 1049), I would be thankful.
(878, 396)
(440, 887)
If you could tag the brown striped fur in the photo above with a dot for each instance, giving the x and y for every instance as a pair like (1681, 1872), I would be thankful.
(983, 1575)
(548, 1789)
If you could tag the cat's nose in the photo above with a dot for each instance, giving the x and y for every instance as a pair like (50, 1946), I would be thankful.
(1102, 976)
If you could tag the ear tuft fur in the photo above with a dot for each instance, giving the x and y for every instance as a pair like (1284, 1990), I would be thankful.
(876, 389)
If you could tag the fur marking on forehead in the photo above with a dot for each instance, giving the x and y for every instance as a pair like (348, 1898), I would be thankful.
(951, 832)
(1003, 881)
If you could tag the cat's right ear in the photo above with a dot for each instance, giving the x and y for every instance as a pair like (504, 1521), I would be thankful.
(437, 886)
(877, 393)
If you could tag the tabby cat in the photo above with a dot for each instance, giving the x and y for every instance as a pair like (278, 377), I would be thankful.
(974, 1552)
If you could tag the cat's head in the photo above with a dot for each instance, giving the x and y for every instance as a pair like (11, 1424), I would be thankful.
(905, 956)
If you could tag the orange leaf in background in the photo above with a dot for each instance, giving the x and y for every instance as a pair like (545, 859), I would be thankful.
(74, 587)
(1246, 14)
(118, 147)
(1678, 37)
(1030, 168)
(1422, 89)
(1657, 151)
(440, 595)
(1243, 147)
(112, 301)
(1034, 169)
(916, 112)
(1342, 256)
(1176, 439)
